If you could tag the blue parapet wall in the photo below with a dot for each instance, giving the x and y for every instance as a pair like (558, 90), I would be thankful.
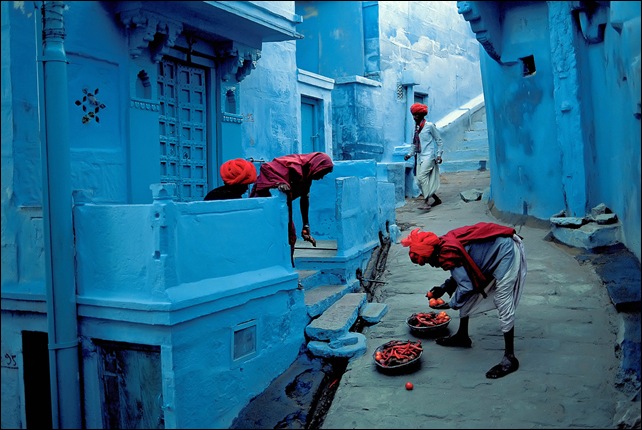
(187, 277)
(323, 213)
(177, 243)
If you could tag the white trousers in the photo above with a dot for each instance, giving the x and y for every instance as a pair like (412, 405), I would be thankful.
(502, 294)
(428, 177)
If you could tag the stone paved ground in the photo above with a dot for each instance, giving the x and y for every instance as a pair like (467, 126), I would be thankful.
(566, 340)
(568, 334)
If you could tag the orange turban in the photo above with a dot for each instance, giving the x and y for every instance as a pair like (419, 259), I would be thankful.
(419, 108)
(238, 171)
(421, 242)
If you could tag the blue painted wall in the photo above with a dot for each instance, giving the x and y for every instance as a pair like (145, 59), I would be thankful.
(333, 32)
(396, 49)
(567, 136)
(517, 107)
(269, 104)
(146, 275)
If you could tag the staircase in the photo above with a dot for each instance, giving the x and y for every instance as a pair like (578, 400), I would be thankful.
(334, 301)
(471, 151)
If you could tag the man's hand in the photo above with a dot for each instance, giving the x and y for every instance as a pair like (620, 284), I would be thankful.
(407, 157)
(436, 292)
(305, 234)
(283, 188)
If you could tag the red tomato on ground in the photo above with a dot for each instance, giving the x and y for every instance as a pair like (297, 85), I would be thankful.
(409, 386)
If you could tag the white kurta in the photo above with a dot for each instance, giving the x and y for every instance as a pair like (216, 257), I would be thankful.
(427, 167)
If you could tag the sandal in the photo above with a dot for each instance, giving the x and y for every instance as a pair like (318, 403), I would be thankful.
(507, 365)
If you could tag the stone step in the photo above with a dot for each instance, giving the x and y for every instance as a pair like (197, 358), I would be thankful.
(467, 153)
(319, 298)
(309, 257)
(306, 248)
(372, 313)
(475, 134)
(351, 345)
(337, 319)
(477, 143)
(463, 166)
(479, 125)
(307, 278)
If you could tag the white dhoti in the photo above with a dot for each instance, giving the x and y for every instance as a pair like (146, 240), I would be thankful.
(428, 177)
(502, 294)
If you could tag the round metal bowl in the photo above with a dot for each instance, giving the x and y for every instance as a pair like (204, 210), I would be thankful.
(408, 366)
(414, 327)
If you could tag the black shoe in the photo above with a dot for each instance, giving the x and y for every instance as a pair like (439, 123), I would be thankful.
(459, 341)
(509, 364)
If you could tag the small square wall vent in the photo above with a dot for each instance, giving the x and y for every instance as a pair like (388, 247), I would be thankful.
(244, 340)
(528, 66)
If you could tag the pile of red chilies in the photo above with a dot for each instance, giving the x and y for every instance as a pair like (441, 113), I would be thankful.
(429, 319)
(398, 352)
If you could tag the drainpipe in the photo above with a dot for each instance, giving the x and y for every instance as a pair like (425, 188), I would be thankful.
(408, 81)
(57, 214)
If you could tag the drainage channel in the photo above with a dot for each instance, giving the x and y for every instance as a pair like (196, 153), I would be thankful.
(371, 285)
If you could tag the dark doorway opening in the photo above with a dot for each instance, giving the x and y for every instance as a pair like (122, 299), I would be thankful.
(35, 356)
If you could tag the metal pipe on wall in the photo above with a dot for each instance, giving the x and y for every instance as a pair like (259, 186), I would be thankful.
(58, 224)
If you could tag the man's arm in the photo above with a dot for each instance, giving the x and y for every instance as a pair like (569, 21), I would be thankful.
(438, 140)
(464, 287)
(304, 204)
(410, 154)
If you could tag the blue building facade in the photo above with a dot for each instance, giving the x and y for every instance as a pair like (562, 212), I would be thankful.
(383, 57)
(562, 93)
(122, 112)
(140, 304)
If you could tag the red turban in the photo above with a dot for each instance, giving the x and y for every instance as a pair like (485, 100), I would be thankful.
(419, 108)
(421, 242)
(238, 171)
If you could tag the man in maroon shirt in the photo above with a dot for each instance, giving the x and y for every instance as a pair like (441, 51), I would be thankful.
(293, 175)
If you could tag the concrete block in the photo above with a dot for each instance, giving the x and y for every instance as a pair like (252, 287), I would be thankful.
(373, 312)
(588, 236)
(353, 350)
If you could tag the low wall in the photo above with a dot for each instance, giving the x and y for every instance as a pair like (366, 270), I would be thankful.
(208, 285)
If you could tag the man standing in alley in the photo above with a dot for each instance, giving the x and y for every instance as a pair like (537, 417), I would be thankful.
(487, 271)
(427, 149)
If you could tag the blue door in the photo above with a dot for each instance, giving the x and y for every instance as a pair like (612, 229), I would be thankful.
(183, 129)
(311, 140)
